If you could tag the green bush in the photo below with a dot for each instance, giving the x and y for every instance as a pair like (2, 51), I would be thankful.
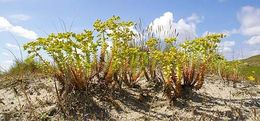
(83, 58)
(24, 68)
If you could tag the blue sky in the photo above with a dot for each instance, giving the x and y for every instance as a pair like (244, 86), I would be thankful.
(25, 20)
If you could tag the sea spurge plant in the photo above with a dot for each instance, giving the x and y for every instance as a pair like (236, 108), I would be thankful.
(152, 60)
(181, 67)
(71, 54)
(171, 71)
(123, 59)
(164, 65)
(229, 70)
(202, 48)
(187, 66)
(109, 55)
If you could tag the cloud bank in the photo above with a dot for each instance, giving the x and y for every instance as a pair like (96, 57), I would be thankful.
(249, 18)
(165, 26)
(6, 26)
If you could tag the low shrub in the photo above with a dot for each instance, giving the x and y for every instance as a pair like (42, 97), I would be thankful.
(28, 67)
(109, 56)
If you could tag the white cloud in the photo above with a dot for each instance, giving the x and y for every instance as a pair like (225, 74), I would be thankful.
(225, 47)
(229, 43)
(194, 18)
(254, 40)
(226, 50)
(5, 25)
(21, 17)
(24, 32)
(249, 18)
(165, 26)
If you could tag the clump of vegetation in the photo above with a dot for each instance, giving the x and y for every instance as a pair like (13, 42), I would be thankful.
(109, 56)
(237, 70)
(84, 57)
(81, 60)
(250, 71)
(230, 70)
(251, 68)
(182, 69)
(23, 68)
(199, 55)
(27, 66)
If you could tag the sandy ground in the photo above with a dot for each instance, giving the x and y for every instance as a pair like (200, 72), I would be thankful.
(215, 101)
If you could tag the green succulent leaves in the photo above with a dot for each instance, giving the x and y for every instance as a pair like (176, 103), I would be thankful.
(110, 45)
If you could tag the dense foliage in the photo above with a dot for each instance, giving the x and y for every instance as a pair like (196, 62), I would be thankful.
(110, 56)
